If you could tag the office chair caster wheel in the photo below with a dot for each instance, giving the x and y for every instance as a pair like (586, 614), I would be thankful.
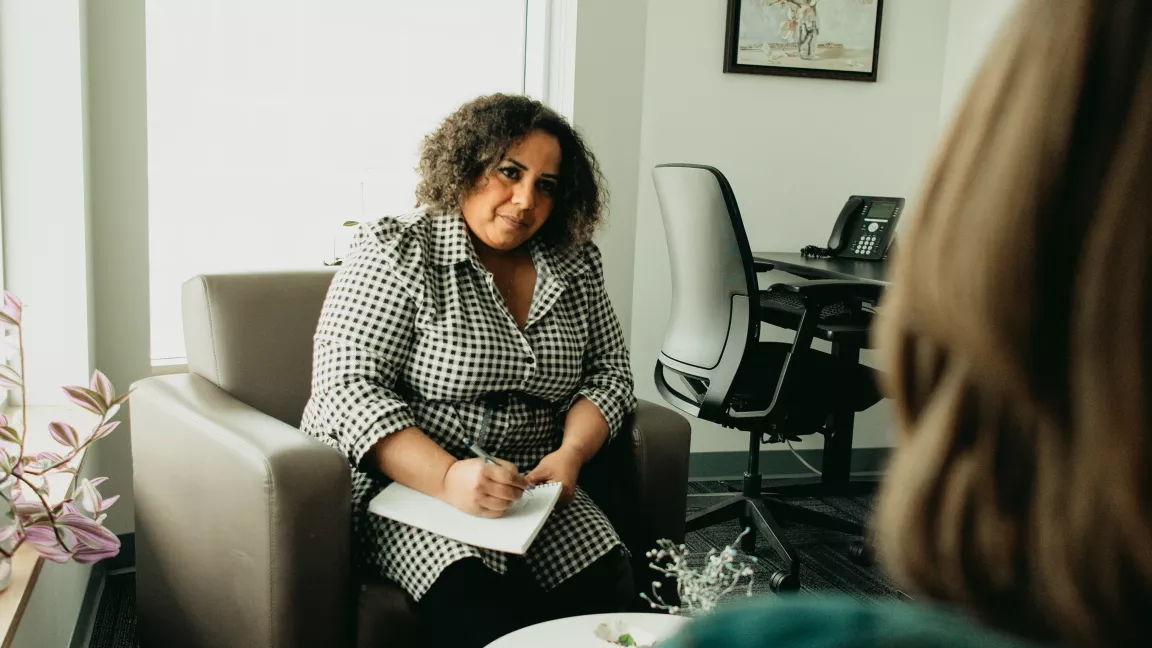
(862, 553)
(782, 581)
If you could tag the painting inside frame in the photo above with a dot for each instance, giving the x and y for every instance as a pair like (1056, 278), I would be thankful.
(819, 38)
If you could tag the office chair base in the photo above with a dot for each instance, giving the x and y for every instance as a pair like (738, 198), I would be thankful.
(782, 581)
(759, 515)
(862, 553)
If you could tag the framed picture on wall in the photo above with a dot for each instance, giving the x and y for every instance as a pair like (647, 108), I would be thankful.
(828, 39)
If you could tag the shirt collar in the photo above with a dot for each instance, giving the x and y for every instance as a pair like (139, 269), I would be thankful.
(451, 245)
(450, 242)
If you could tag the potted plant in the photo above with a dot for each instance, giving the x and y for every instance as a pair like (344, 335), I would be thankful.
(71, 528)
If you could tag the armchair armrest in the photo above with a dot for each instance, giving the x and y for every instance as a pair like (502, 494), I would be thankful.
(763, 266)
(242, 523)
(819, 292)
(640, 480)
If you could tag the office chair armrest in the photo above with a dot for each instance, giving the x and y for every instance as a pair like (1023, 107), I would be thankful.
(827, 291)
(763, 266)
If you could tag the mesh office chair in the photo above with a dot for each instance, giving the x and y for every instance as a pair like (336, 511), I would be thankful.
(722, 372)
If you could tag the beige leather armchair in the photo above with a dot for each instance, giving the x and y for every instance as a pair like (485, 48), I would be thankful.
(242, 521)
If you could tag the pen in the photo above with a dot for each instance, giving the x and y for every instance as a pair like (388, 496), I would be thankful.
(479, 452)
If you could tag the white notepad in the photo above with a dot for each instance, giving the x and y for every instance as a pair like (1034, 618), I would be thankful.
(511, 533)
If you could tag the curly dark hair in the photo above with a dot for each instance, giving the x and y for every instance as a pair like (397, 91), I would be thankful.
(476, 137)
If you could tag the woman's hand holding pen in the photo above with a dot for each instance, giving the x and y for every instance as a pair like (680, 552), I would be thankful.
(483, 488)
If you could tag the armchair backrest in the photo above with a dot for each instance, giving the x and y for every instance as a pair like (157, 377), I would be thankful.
(715, 300)
(251, 334)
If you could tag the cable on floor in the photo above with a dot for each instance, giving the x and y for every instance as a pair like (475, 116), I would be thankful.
(802, 459)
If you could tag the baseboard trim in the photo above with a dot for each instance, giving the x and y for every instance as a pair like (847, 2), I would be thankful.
(86, 619)
(126, 559)
(706, 466)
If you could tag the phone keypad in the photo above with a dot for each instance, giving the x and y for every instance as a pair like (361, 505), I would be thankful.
(866, 244)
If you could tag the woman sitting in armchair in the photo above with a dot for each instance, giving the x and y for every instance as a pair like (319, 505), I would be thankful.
(482, 317)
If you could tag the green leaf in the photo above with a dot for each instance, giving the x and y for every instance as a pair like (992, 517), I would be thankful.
(351, 223)
(9, 434)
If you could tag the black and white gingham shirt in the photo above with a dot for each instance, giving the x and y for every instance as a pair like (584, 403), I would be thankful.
(414, 333)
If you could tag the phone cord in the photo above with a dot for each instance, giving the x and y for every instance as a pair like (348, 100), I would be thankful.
(817, 252)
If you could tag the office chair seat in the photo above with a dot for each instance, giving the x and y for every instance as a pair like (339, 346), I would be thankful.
(820, 380)
(838, 322)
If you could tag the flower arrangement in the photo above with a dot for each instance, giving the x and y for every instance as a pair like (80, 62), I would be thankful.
(699, 590)
(71, 529)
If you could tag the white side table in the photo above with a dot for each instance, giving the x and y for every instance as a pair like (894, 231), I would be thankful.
(577, 632)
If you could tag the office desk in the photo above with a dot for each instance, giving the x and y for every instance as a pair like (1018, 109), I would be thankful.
(837, 464)
(852, 269)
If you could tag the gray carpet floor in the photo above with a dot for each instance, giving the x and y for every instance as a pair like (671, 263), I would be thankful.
(826, 567)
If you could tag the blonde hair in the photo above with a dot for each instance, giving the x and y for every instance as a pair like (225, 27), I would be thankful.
(1016, 335)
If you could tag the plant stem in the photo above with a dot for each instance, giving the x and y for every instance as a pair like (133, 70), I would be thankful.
(23, 390)
(76, 475)
(70, 457)
(48, 510)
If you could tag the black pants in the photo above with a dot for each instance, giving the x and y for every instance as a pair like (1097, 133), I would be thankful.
(471, 605)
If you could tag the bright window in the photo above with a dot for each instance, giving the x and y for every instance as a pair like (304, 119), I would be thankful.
(271, 122)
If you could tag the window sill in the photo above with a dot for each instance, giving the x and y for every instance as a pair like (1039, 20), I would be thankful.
(26, 563)
(168, 366)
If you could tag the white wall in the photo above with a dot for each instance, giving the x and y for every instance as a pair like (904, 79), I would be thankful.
(972, 26)
(793, 149)
(607, 96)
(118, 166)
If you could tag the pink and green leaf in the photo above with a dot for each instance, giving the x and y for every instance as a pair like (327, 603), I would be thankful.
(89, 497)
(105, 430)
(85, 398)
(88, 531)
(102, 386)
(64, 434)
(12, 307)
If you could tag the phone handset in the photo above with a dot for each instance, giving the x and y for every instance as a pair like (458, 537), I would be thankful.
(865, 229)
(837, 241)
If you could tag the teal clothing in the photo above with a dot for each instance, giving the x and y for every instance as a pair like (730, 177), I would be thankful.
(805, 621)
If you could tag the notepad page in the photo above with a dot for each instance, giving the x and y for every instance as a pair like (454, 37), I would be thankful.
(511, 533)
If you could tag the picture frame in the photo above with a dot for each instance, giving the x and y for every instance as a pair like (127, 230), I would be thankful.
(824, 39)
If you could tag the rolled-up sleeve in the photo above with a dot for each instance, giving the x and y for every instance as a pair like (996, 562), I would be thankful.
(607, 371)
(363, 341)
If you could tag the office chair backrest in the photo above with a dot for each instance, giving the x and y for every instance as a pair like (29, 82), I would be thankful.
(713, 280)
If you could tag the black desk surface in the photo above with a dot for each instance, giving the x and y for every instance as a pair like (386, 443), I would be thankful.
(795, 263)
